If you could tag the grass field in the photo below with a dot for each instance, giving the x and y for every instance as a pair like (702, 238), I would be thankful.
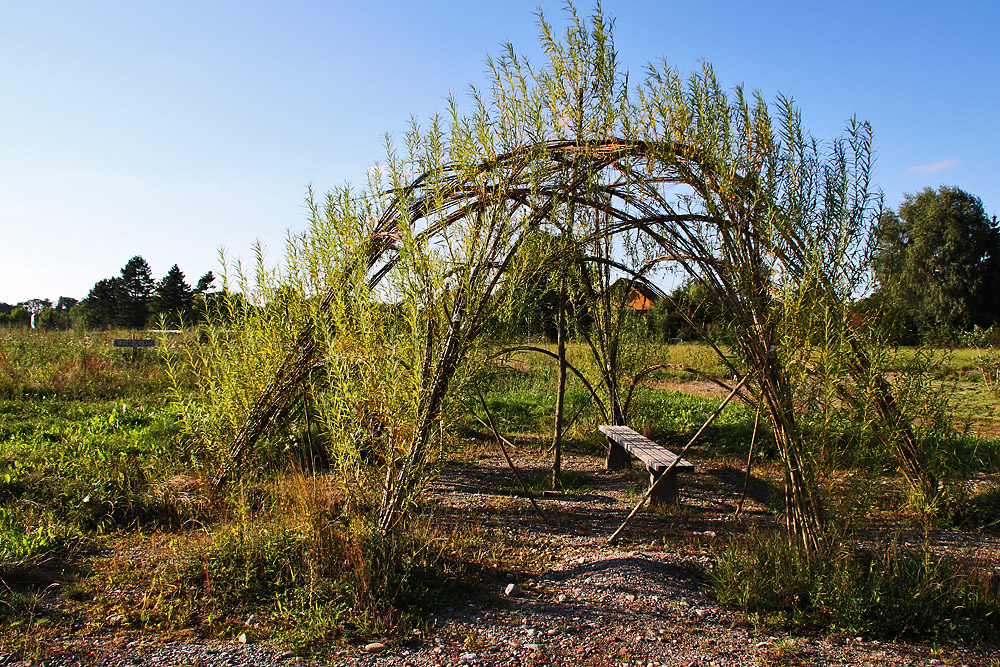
(93, 461)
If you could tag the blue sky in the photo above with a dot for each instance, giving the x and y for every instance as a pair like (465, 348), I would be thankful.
(171, 129)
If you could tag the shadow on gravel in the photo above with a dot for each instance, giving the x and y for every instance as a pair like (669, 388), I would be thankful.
(479, 494)
(629, 575)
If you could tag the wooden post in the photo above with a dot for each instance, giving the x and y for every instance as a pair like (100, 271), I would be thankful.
(618, 456)
(665, 492)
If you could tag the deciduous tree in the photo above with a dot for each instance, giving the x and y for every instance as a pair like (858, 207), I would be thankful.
(65, 303)
(938, 264)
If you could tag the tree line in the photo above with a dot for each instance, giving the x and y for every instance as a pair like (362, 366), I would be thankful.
(131, 300)
(47, 315)
(936, 264)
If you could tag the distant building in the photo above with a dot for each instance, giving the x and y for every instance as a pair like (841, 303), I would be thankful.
(641, 297)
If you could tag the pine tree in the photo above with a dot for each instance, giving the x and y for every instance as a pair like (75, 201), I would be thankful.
(101, 303)
(172, 296)
(205, 283)
(135, 290)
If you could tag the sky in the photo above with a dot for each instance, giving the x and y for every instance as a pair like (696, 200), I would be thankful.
(173, 129)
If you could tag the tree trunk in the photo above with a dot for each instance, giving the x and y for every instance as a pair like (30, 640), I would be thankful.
(561, 391)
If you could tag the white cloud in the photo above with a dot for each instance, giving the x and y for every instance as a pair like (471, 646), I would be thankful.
(932, 167)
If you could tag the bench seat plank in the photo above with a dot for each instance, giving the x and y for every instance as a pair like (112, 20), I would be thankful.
(623, 441)
(653, 455)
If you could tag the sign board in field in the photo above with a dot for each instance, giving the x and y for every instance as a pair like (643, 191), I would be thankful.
(134, 342)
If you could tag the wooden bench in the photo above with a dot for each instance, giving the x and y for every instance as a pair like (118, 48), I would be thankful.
(623, 442)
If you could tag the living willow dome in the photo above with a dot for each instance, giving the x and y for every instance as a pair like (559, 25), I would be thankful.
(719, 186)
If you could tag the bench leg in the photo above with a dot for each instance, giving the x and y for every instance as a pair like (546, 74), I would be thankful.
(618, 456)
(666, 491)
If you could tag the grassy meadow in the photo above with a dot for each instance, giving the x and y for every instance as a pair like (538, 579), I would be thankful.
(102, 490)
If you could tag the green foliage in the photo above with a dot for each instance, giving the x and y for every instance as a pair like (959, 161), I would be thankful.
(238, 347)
(128, 300)
(688, 313)
(18, 317)
(534, 309)
(938, 264)
(85, 443)
(26, 533)
(65, 304)
(35, 306)
(205, 283)
(50, 318)
(412, 271)
(525, 411)
(923, 396)
(673, 417)
(981, 510)
(100, 304)
(986, 343)
(95, 466)
(890, 591)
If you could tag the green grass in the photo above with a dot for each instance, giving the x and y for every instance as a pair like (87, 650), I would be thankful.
(299, 564)
(981, 511)
(96, 467)
(532, 411)
(29, 533)
(521, 397)
(91, 453)
(970, 377)
(673, 417)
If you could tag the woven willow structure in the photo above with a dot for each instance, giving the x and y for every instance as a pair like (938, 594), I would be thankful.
(675, 173)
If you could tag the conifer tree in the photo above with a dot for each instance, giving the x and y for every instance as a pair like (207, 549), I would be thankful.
(100, 304)
(135, 290)
(172, 296)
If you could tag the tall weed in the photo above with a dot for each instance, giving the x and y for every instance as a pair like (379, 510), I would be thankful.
(293, 556)
(887, 591)
(70, 364)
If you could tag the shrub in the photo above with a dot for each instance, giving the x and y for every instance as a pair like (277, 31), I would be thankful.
(885, 591)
